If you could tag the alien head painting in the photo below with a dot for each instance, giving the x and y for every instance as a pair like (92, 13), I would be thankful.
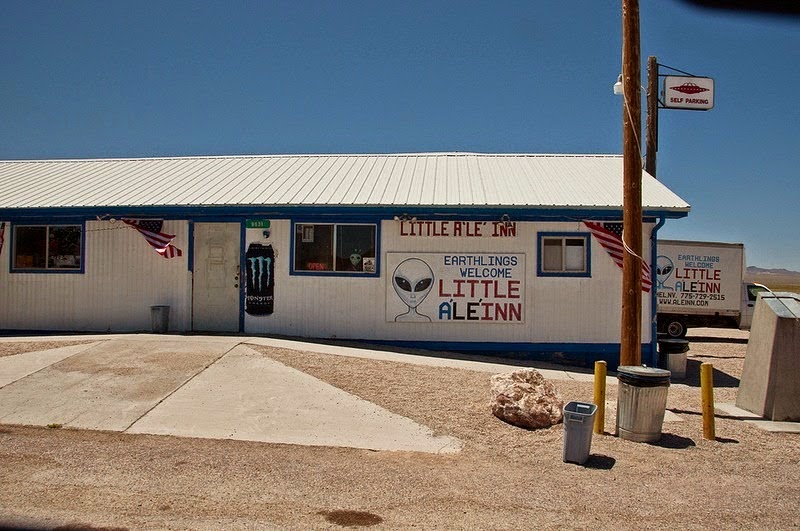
(664, 268)
(412, 281)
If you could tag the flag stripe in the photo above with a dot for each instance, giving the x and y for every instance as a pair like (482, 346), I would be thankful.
(611, 241)
(151, 230)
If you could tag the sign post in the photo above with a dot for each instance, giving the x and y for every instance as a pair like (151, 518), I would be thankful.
(687, 92)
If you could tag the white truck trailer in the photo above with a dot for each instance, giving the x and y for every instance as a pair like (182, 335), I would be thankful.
(701, 284)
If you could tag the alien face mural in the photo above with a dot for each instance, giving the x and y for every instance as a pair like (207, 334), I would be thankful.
(455, 287)
(664, 268)
(412, 281)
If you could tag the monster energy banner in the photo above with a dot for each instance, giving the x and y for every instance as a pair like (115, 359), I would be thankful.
(260, 288)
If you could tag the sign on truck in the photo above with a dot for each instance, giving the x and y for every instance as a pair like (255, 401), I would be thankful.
(702, 284)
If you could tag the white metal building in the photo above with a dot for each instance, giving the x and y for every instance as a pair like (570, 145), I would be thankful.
(444, 250)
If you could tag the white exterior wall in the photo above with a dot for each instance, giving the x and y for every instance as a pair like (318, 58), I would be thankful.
(557, 309)
(123, 277)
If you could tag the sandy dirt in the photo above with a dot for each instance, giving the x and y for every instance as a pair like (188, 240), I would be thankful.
(9, 348)
(505, 478)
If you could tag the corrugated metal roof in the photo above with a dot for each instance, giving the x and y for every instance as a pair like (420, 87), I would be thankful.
(419, 179)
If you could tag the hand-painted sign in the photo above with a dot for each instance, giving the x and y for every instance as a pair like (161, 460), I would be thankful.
(458, 229)
(455, 287)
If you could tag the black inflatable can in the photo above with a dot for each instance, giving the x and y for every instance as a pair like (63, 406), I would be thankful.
(260, 277)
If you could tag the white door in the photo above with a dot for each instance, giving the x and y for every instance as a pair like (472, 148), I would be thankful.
(215, 293)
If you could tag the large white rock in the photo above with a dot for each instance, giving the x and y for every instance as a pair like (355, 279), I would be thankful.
(525, 398)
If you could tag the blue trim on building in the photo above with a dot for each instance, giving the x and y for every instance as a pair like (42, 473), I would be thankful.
(654, 293)
(587, 247)
(370, 213)
(242, 269)
(573, 353)
(190, 251)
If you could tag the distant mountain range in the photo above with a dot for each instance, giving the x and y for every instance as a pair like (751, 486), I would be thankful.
(775, 279)
(761, 271)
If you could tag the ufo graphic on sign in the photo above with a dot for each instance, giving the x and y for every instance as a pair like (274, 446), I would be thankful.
(689, 88)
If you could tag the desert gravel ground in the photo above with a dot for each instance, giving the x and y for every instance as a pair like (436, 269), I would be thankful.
(18, 347)
(505, 477)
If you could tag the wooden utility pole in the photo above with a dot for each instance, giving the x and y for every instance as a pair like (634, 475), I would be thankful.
(630, 341)
(651, 146)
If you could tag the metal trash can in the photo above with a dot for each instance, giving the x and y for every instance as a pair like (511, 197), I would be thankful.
(641, 402)
(672, 356)
(578, 427)
(159, 318)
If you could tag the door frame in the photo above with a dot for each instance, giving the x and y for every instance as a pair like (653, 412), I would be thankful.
(191, 259)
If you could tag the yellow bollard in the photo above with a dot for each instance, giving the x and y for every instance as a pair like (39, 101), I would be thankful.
(707, 391)
(600, 396)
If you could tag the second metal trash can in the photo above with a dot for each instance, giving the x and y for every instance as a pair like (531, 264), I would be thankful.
(578, 427)
(641, 402)
(159, 319)
(672, 356)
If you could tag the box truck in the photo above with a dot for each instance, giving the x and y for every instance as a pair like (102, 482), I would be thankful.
(702, 284)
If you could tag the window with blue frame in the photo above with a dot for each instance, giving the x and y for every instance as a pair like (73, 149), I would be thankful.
(335, 248)
(564, 254)
(48, 248)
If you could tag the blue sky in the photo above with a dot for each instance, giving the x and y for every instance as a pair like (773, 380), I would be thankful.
(128, 79)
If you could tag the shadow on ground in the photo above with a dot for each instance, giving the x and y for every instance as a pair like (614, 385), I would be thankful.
(600, 462)
(721, 379)
(676, 442)
(712, 339)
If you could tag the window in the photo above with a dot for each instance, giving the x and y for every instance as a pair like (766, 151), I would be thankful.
(564, 254)
(47, 248)
(753, 290)
(335, 248)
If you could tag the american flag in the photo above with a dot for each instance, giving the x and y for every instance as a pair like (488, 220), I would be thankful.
(610, 237)
(151, 230)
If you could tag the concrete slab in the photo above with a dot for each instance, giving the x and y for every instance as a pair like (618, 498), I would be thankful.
(107, 386)
(247, 396)
(775, 426)
(732, 410)
(18, 366)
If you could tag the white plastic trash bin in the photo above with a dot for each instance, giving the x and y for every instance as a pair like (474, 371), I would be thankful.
(578, 428)
(159, 317)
